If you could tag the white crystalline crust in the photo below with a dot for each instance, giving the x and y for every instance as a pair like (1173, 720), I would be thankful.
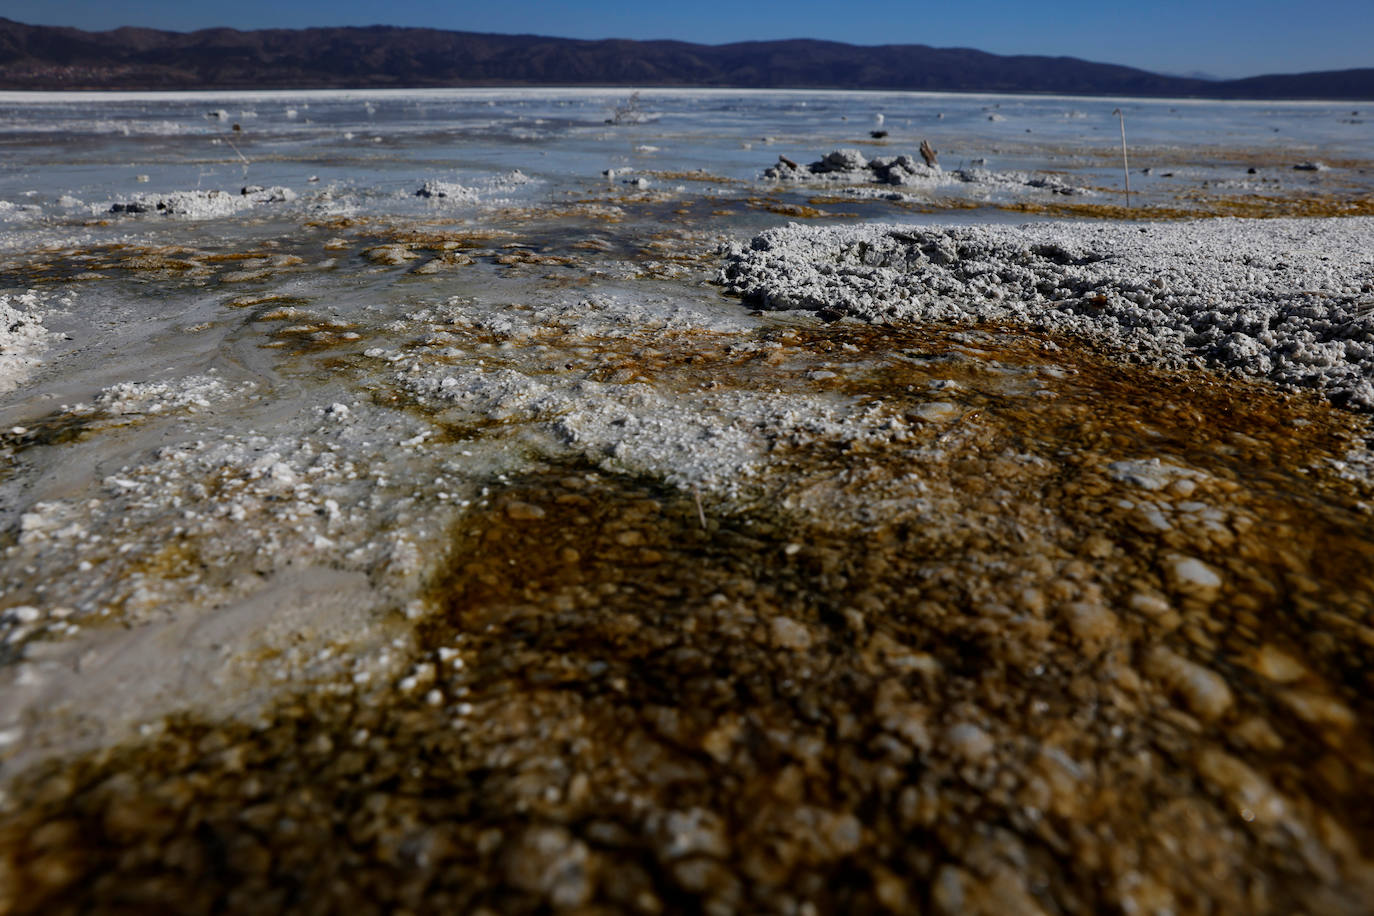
(453, 192)
(189, 393)
(22, 338)
(713, 440)
(1289, 300)
(850, 167)
(213, 204)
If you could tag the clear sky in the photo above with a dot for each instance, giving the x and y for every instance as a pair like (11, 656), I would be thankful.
(1221, 37)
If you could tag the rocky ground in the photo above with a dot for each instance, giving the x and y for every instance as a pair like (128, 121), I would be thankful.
(619, 550)
(1013, 627)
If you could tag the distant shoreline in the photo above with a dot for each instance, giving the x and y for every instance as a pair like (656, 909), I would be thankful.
(45, 58)
(121, 94)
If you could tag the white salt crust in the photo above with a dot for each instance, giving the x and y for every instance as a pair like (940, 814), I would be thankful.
(1289, 300)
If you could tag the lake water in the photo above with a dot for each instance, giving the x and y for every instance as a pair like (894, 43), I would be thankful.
(379, 145)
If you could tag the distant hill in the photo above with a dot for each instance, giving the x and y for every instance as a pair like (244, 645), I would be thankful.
(47, 57)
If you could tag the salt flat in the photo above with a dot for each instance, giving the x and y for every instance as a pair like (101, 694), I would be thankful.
(455, 500)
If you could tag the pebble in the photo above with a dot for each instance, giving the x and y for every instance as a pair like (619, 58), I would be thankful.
(1203, 690)
(969, 742)
(935, 411)
(947, 892)
(1151, 605)
(1319, 709)
(1192, 577)
(390, 254)
(1092, 624)
(691, 833)
(1148, 474)
(550, 862)
(789, 634)
(1277, 665)
(1259, 734)
(1252, 795)
(524, 512)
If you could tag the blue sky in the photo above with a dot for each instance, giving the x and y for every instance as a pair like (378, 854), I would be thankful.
(1222, 37)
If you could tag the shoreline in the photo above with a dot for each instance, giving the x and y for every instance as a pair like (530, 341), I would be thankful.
(13, 96)
(605, 540)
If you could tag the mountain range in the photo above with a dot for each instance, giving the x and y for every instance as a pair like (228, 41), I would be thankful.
(52, 57)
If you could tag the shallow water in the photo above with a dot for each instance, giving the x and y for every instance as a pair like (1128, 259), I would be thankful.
(382, 144)
(372, 551)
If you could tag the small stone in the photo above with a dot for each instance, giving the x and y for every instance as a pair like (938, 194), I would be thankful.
(1182, 487)
(390, 254)
(789, 634)
(1259, 734)
(949, 890)
(524, 512)
(550, 862)
(1148, 474)
(1276, 665)
(1252, 795)
(1062, 779)
(1092, 624)
(969, 742)
(719, 742)
(934, 412)
(1190, 576)
(1098, 547)
(890, 890)
(1202, 689)
(841, 834)
(1033, 600)
(1319, 709)
(696, 832)
(1149, 604)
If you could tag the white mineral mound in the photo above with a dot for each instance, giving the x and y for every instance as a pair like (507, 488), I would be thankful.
(1290, 300)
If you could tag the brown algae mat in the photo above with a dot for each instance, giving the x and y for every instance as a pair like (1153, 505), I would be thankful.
(1001, 660)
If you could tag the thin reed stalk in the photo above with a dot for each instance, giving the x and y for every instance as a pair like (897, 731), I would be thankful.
(1125, 166)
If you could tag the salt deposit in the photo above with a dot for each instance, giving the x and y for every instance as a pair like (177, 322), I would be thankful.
(202, 205)
(23, 338)
(190, 393)
(850, 166)
(713, 440)
(1286, 300)
(484, 190)
(510, 514)
(16, 213)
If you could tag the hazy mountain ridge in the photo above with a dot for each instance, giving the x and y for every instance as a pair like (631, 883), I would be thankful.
(49, 57)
